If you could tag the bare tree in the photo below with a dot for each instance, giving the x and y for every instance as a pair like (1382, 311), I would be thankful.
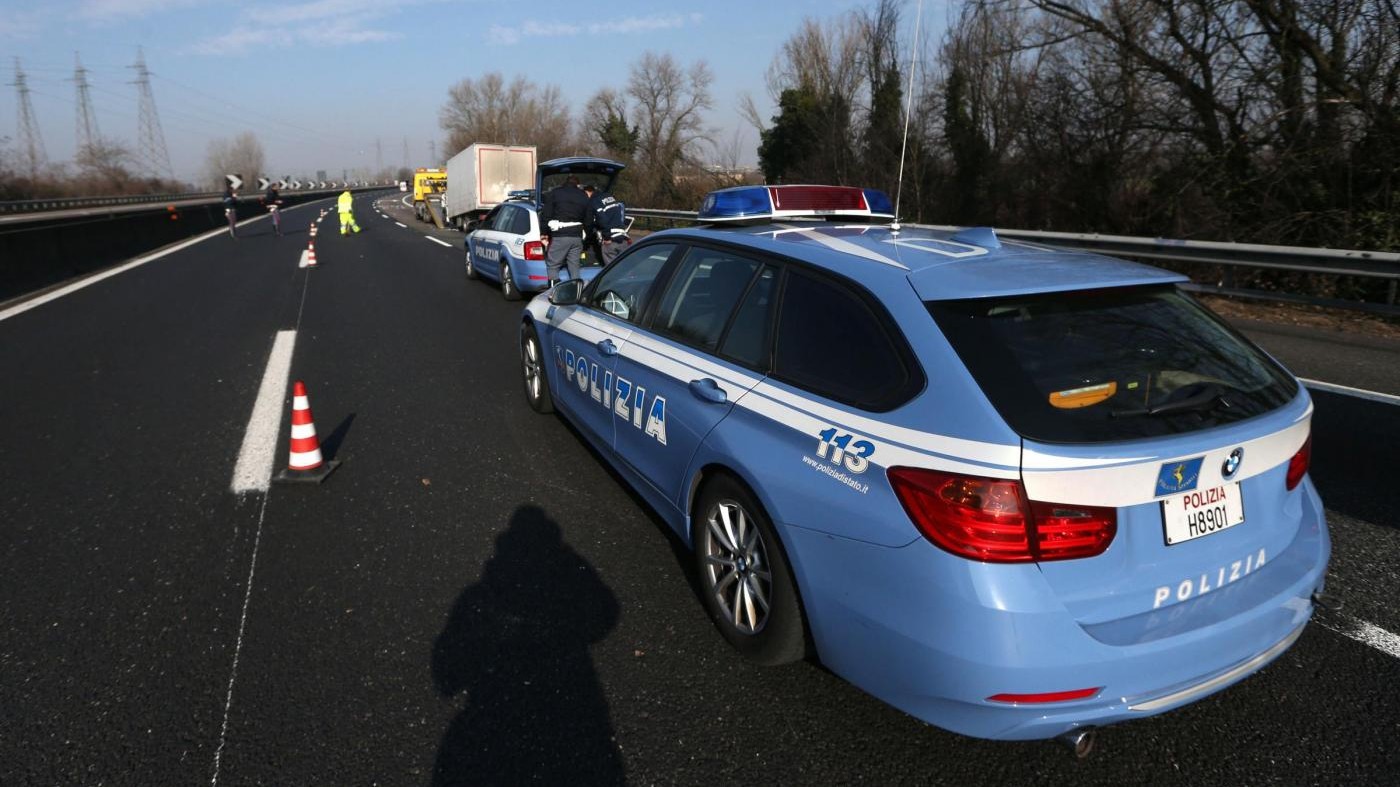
(670, 101)
(106, 166)
(518, 112)
(242, 155)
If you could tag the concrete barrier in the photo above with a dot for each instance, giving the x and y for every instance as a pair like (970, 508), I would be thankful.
(40, 251)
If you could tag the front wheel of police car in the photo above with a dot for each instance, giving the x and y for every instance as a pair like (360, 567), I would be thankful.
(533, 371)
(746, 583)
(471, 269)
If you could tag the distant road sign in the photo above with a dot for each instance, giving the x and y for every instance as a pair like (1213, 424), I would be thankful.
(263, 183)
(296, 184)
(323, 184)
(235, 182)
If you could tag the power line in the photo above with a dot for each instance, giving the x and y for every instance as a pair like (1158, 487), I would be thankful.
(152, 142)
(30, 141)
(300, 130)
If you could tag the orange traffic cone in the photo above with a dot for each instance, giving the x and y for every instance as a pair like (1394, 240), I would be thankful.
(313, 229)
(305, 462)
(311, 254)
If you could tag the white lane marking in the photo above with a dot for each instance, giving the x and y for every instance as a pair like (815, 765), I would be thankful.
(405, 200)
(1346, 390)
(1366, 633)
(401, 224)
(238, 643)
(302, 263)
(253, 471)
(439, 242)
(385, 216)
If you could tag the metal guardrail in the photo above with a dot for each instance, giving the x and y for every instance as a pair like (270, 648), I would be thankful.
(73, 203)
(1380, 265)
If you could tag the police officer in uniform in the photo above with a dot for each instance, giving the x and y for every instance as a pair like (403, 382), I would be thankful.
(567, 220)
(609, 234)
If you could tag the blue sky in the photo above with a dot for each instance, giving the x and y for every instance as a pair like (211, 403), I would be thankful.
(320, 80)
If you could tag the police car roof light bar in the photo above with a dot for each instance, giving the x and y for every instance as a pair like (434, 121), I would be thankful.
(756, 204)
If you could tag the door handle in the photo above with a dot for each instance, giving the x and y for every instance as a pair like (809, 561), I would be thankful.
(708, 390)
(606, 347)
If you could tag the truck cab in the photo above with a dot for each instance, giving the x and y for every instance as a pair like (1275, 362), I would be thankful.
(428, 185)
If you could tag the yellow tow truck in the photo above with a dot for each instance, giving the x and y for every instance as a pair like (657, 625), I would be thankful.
(429, 185)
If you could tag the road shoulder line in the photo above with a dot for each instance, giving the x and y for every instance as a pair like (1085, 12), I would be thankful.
(438, 241)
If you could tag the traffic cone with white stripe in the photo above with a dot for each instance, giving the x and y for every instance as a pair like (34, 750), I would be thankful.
(311, 254)
(313, 229)
(305, 462)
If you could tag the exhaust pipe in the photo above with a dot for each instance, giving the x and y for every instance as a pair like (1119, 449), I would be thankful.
(1323, 601)
(1080, 741)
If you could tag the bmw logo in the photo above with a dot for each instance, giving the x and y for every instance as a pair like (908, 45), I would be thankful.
(1232, 463)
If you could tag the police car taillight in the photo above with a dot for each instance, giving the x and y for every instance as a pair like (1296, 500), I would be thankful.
(991, 520)
(1298, 464)
(534, 250)
(759, 203)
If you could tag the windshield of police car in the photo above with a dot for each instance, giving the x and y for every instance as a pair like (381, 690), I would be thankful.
(1112, 364)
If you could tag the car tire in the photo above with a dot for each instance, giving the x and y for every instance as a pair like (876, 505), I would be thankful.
(508, 289)
(471, 269)
(533, 372)
(736, 578)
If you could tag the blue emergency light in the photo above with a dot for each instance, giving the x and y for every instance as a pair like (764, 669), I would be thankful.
(755, 204)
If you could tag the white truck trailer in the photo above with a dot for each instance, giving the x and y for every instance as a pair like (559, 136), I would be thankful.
(482, 176)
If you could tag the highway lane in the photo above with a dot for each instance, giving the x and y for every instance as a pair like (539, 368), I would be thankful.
(473, 595)
(122, 555)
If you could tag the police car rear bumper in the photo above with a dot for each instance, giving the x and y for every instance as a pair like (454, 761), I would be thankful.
(937, 636)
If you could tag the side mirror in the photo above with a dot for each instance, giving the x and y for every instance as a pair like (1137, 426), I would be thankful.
(566, 293)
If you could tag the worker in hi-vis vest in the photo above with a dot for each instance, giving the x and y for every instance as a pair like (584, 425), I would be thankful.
(347, 219)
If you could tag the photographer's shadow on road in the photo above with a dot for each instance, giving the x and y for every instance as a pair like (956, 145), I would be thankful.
(516, 644)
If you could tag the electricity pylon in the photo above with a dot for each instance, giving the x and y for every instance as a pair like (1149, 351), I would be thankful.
(31, 143)
(88, 136)
(152, 139)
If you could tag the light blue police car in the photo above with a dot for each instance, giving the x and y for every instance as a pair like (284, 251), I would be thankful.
(1014, 491)
(507, 245)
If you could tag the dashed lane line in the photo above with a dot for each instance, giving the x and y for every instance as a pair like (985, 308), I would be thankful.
(1346, 390)
(238, 642)
(253, 471)
(439, 242)
(401, 224)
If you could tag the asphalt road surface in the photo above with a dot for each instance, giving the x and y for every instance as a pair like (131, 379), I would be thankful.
(472, 597)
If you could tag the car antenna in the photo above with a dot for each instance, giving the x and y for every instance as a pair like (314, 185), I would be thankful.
(908, 110)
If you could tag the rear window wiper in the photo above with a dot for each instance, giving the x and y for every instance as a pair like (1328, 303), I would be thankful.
(1206, 399)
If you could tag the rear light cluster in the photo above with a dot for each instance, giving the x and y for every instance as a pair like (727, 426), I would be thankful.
(534, 250)
(1298, 465)
(991, 519)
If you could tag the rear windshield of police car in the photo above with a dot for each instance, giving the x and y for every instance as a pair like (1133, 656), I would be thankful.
(1111, 364)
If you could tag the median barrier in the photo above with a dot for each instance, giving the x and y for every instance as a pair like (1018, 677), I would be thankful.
(40, 251)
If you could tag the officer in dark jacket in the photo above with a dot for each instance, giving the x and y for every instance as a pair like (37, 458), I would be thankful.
(567, 220)
(609, 224)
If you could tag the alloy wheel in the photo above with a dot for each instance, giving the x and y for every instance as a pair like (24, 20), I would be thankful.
(736, 566)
